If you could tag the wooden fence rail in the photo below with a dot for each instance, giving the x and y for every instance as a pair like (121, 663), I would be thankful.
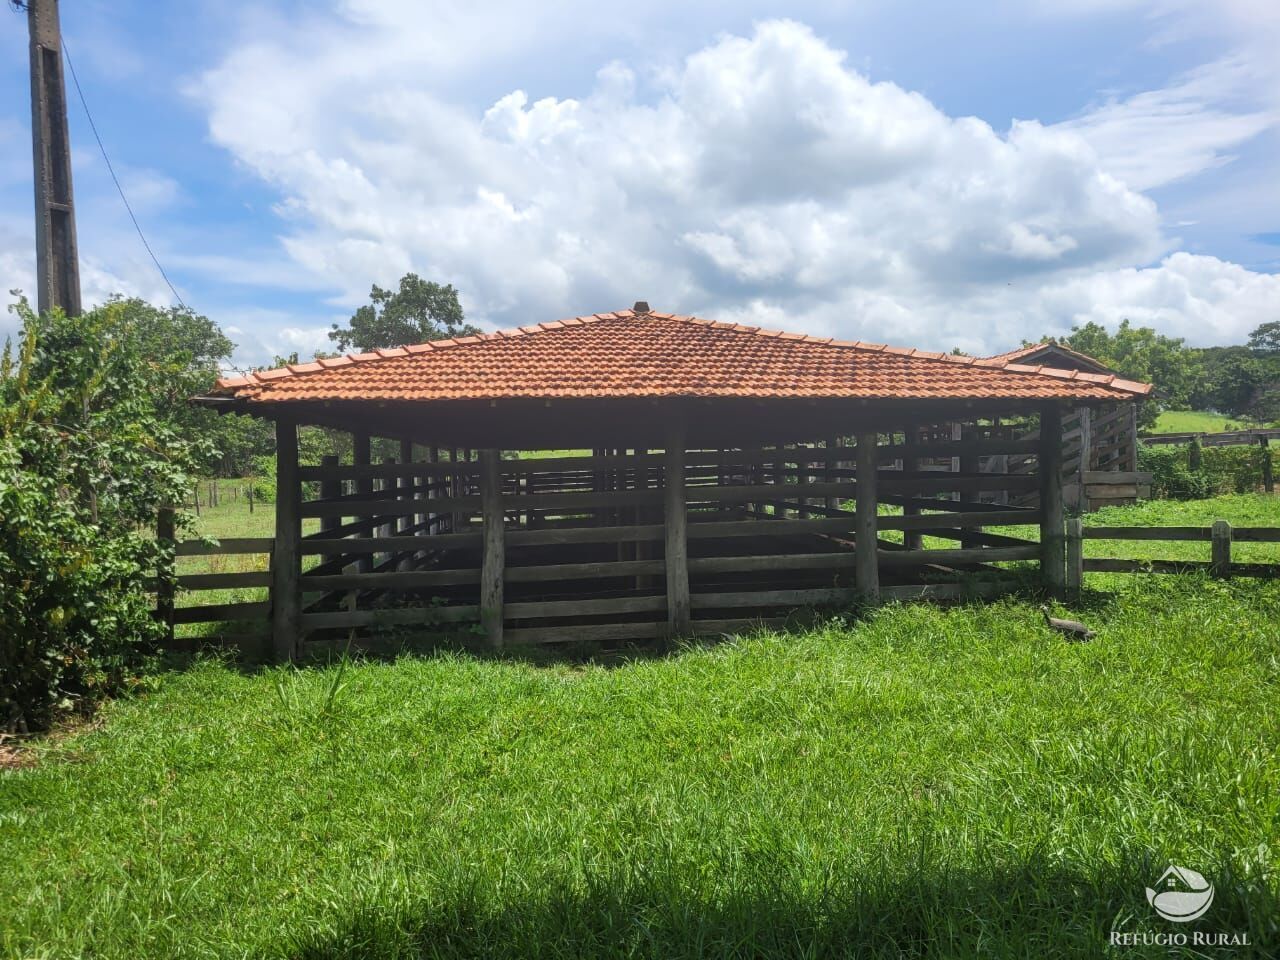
(1219, 536)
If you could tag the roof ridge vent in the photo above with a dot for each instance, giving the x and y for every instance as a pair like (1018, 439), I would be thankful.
(642, 306)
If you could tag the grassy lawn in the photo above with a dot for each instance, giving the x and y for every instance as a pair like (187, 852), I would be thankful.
(923, 781)
(1197, 421)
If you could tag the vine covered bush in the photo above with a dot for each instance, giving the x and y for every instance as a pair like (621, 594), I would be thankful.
(86, 461)
(1220, 470)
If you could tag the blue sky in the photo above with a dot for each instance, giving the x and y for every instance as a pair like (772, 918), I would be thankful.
(928, 174)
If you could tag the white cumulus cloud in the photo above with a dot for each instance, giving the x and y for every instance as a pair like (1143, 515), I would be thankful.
(761, 177)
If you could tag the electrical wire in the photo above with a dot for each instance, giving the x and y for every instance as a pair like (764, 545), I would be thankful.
(116, 180)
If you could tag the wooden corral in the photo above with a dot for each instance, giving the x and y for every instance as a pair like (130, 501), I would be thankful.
(690, 514)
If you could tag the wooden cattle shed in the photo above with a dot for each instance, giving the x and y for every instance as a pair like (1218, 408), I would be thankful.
(704, 477)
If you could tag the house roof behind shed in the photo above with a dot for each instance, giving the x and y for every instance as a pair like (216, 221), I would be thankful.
(630, 354)
(1050, 353)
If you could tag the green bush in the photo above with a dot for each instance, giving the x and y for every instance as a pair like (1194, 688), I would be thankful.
(86, 461)
(1221, 470)
(1233, 469)
(263, 480)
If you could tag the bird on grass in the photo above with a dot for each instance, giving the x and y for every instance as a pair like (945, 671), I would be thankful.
(1072, 629)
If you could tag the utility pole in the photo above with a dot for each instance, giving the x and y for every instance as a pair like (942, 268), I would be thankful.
(57, 263)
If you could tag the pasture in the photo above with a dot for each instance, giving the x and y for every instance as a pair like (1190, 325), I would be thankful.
(916, 780)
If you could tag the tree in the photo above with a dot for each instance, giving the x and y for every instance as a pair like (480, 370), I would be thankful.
(1140, 353)
(1266, 338)
(420, 310)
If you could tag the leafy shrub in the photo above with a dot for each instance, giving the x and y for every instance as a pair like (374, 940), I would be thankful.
(1171, 476)
(1221, 470)
(1233, 469)
(86, 461)
(264, 478)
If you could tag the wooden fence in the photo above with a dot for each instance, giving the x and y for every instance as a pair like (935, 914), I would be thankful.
(1219, 536)
(619, 544)
(244, 625)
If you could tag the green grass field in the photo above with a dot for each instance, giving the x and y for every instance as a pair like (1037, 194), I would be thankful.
(1198, 421)
(924, 781)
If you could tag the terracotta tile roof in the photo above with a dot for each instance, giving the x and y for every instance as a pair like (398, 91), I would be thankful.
(649, 354)
(1049, 347)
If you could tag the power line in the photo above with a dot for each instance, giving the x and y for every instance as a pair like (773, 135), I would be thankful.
(116, 180)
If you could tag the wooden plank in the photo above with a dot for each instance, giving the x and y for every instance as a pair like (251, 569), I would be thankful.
(897, 482)
(360, 471)
(867, 570)
(795, 561)
(957, 448)
(1117, 476)
(224, 581)
(346, 546)
(984, 518)
(581, 464)
(1107, 491)
(390, 580)
(1256, 534)
(586, 633)
(775, 598)
(286, 562)
(535, 609)
(793, 492)
(1147, 533)
(584, 571)
(1052, 555)
(395, 616)
(384, 507)
(228, 545)
(906, 558)
(493, 552)
(676, 543)
(222, 612)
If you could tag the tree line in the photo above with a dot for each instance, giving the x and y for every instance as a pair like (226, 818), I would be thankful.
(1240, 381)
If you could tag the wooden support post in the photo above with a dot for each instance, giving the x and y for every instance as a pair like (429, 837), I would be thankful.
(1220, 546)
(957, 434)
(1268, 479)
(360, 456)
(1131, 447)
(1075, 557)
(866, 563)
(969, 465)
(433, 456)
(832, 503)
(406, 484)
(286, 596)
(1052, 568)
(457, 488)
(330, 489)
(166, 533)
(675, 521)
(911, 539)
(493, 559)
